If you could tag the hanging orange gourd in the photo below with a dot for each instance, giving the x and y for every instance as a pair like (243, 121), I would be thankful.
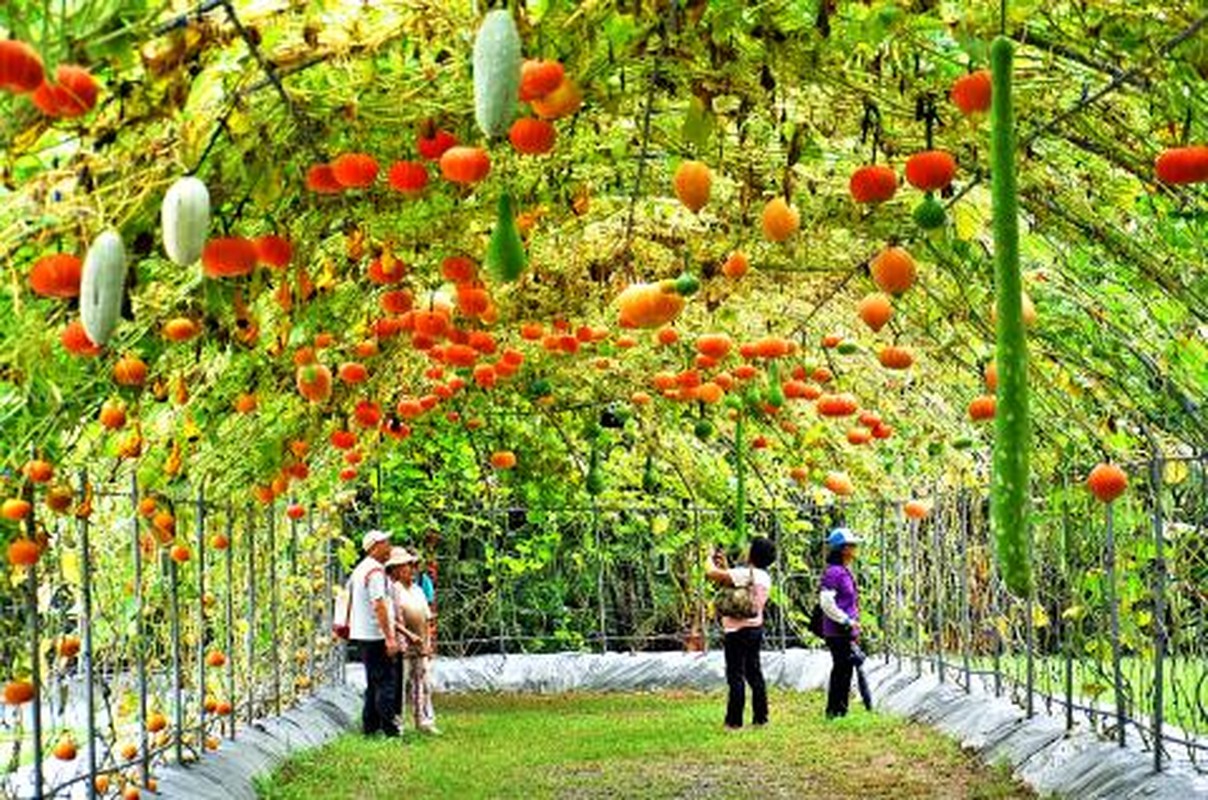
(648, 305)
(693, 183)
(780, 220)
(130, 370)
(563, 101)
(894, 357)
(321, 180)
(931, 170)
(274, 252)
(873, 183)
(73, 94)
(876, 309)
(229, 257)
(407, 177)
(539, 78)
(971, 93)
(355, 170)
(465, 165)
(532, 137)
(893, 270)
(1182, 165)
(982, 408)
(314, 382)
(20, 67)
(56, 275)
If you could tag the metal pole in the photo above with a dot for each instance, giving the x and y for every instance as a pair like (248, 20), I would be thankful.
(140, 644)
(1159, 610)
(86, 630)
(201, 618)
(996, 606)
(251, 614)
(1067, 646)
(937, 535)
(291, 650)
(898, 593)
(781, 569)
(273, 597)
(595, 532)
(177, 687)
(499, 542)
(315, 615)
(1029, 627)
(962, 511)
(1114, 610)
(229, 558)
(35, 635)
(882, 555)
(916, 589)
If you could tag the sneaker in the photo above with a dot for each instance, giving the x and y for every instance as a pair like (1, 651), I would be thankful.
(430, 730)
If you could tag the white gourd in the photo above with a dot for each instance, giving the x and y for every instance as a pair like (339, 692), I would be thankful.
(185, 217)
(497, 61)
(102, 283)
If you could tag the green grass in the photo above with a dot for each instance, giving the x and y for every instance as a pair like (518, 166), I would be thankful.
(670, 744)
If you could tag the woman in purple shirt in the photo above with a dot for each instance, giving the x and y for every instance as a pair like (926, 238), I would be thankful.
(841, 613)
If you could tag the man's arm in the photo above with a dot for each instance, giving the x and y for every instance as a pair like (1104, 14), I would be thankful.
(383, 618)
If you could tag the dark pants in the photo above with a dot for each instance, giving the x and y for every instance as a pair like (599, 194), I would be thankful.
(840, 678)
(743, 667)
(381, 689)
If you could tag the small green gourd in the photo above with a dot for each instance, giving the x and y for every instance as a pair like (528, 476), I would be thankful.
(687, 284)
(497, 62)
(102, 285)
(1010, 496)
(649, 480)
(595, 476)
(505, 252)
(703, 430)
(775, 392)
(930, 213)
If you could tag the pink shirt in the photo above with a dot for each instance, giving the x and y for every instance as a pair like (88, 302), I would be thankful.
(741, 576)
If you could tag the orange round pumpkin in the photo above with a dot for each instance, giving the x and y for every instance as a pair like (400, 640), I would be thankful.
(873, 183)
(1182, 165)
(180, 329)
(876, 310)
(314, 382)
(780, 220)
(432, 143)
(893, 270)
(130, 371)
(21, 69)
(75, 340)
(982, 408)
(563, 101)
(736, 265)
(229, 257)
(38, 471)
(714, 345)
(971, 93)
(503, 459)
(23, 552)
(693, 182)
(321, 180)
(272, 251)
(1107, 482)
(931, 170)
(991, 377)
(113, 416)
(353, 372)
(532, 137)
(836, 405)
(465, 165)
(839, 483)
(916, 509)
(73, 93)
(894, 357)
(56, 275)
(14, 508)
(539, 78)
(407, 177)
(354, 170)
(858, 436)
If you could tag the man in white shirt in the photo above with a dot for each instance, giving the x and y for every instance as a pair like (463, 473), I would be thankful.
(371, 628)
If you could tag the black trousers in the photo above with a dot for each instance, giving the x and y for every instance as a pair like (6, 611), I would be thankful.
(839, 689)
(743, 667)
(381, 689)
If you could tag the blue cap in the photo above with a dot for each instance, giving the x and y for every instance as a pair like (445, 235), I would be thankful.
(841, 537)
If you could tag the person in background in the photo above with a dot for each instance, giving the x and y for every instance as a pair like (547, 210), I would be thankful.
(744, 636)
(371, 629)
(411, 625)
(839, 600)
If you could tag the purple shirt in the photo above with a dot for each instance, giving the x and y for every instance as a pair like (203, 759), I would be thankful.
(839, 580)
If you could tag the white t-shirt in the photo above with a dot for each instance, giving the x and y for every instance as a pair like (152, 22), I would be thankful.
(367, 584)
(741, 576)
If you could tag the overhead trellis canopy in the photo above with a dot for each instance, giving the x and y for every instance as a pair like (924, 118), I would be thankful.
(778, 99)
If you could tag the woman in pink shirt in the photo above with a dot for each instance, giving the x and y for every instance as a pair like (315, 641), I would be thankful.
(744, 635)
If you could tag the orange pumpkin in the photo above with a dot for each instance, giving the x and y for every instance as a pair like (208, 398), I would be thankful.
(246, 403)
(982, 408)
(503, 459)
(693, 182)
(407, 177)
(274, 252)
(75, 340)
(876, 310)
(780, 220)
(837, 405)
(539, 78)
(465, 165)
(352, 372)
(458, 269)
(532, 137)
(472, 300)
(314, 382)
(56, 275)
(432, 143)
(858, 436)
(931, 170)
(23, 552)
(916, 509)
(21, 69)
(971, 93)
(73, 94)
(736, 265)
(667, 336)
(386, 269)
(398, 301)
(563, 101)
(991, 377)
(180, 329)
(893, 270)
(714, 345)
(894, 357)
(229, 257)
(355, 170)
(15, 509)
(1107, 482)
(113, 416)
(709, 393)
(1182, 165)
(640, 398)
(839, 483)
(130, 371)
(321, 180)
(38, 471)
(873, 183)
(648, 305)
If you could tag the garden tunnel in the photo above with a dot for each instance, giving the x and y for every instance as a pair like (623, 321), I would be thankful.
(280, 270)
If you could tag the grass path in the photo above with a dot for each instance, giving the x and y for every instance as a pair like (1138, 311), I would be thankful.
(642, 745)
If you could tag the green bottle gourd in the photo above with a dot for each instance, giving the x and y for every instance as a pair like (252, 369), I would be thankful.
(505, 252)
(1010, 496)
(595, 477)
(649, 480)
(775, 392)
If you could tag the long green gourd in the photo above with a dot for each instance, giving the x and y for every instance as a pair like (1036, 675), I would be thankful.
(1010, 495)
(740, 469)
